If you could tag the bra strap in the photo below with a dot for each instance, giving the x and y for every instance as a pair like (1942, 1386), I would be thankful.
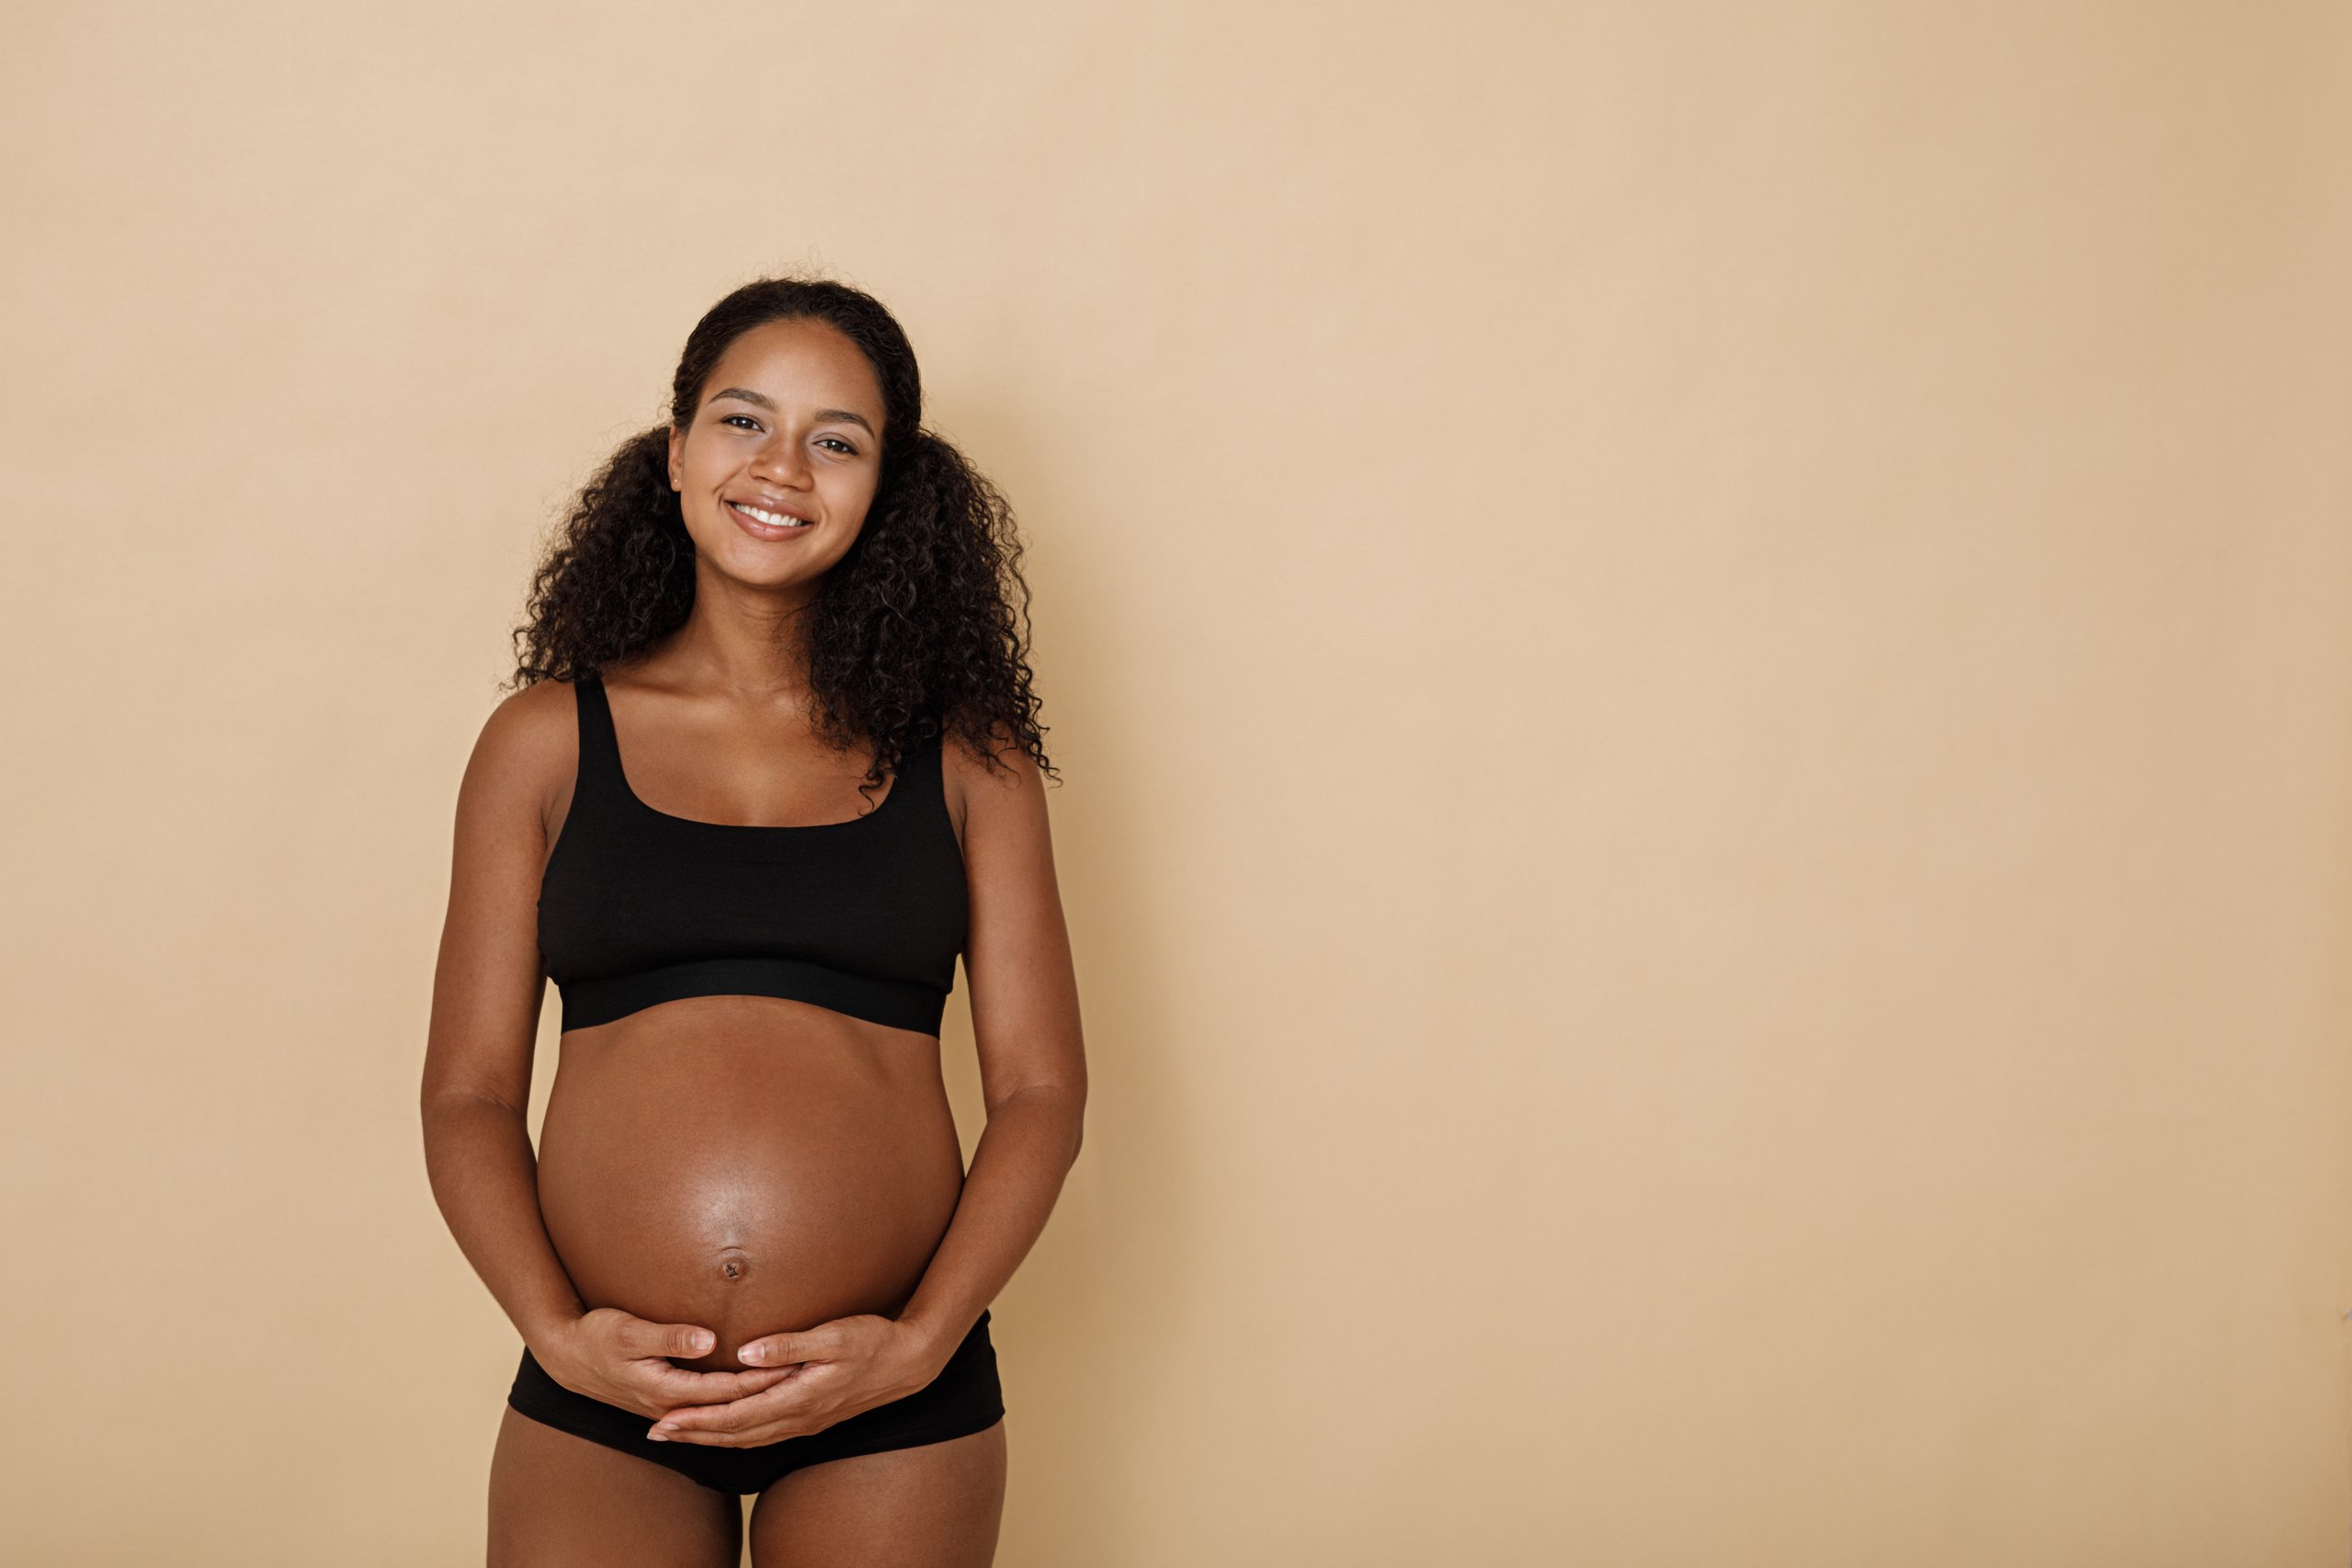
(599, 750)
(927, 771)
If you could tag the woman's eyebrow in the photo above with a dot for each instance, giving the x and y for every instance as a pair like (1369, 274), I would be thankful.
(824, 415)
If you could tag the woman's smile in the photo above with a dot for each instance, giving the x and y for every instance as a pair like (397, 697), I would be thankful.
(761, 523)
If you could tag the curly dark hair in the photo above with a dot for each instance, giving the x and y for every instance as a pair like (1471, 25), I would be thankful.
(920, 629)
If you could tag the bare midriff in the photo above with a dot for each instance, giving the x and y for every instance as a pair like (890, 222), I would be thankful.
(746, 1163)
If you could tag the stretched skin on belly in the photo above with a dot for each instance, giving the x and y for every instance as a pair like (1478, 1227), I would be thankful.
(750, 1165)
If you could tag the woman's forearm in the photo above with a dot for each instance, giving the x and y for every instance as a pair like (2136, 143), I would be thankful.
(1024, 1152)
(485, 1178)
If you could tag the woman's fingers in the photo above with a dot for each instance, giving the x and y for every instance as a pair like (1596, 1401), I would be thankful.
(766, 1417)
(843, 1367)
(825, 1341)
(776, 1350)
(678, 1386)
(642, 1338)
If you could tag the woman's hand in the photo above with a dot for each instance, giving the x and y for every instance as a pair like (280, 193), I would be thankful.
(830, 1373)
(608, 1354)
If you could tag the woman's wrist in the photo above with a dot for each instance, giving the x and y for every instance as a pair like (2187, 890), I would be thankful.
(546, 1326)
(938, 1337)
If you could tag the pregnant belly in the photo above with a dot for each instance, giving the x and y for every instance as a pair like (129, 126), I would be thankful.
(749, 1165)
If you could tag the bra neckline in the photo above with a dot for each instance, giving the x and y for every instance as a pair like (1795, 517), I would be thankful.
(637, 802)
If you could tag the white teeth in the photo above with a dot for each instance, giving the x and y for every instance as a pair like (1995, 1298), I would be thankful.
(773, 519)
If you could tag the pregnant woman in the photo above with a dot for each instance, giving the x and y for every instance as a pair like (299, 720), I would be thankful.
(772, 766)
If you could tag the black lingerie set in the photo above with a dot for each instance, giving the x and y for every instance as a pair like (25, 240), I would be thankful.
(865, 918)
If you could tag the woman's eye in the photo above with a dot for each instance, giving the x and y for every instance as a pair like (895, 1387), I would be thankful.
(842, 444)
(747, 418)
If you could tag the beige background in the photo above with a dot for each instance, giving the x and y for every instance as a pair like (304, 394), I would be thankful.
(1703, 657)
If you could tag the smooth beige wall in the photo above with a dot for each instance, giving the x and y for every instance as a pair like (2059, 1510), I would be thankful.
(1703, 662)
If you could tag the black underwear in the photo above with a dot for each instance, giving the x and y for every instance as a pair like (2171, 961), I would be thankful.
(963, 1399)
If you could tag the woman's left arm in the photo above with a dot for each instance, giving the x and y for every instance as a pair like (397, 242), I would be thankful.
(1024, 994)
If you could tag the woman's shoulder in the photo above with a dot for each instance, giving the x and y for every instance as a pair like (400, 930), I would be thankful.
(999, 766)
(962, 751)
(534, 707)
(530, 742)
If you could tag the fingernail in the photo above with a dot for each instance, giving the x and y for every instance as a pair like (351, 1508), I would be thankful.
(701, 1341)
(750, 1353)
(661, 1434)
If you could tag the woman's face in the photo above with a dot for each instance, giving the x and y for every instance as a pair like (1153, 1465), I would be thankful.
(780, 464)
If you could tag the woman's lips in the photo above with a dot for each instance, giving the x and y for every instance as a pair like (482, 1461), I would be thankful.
(758, 529)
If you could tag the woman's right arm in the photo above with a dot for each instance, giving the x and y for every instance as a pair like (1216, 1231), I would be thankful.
(487, 990)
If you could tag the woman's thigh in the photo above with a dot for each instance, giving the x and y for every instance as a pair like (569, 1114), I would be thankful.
(557, 1500)
(936, 1505)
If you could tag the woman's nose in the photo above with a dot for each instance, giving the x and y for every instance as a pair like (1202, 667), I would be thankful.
(783, 461)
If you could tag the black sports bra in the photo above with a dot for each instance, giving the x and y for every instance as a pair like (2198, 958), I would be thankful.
(638, 907)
